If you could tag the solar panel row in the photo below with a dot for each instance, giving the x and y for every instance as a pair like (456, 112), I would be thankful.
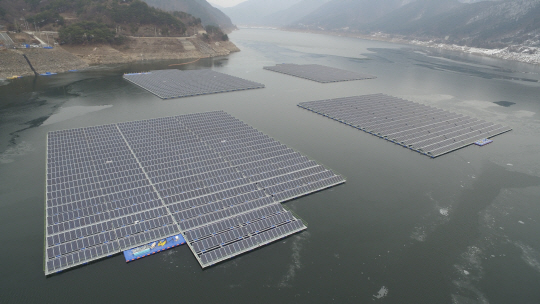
(230, 224)
(94, 207)
(227, 251)
(317, 72)
(233, 234)
(312, 187)
(422, 128)
(167, 84)
(195, 217)
(90, 236)
(237, 143)
(114, 187)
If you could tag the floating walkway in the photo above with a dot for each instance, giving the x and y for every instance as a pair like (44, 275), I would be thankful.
(483, 142)
(316, 72)
(167, 84)
(154, 247)
(424, 129)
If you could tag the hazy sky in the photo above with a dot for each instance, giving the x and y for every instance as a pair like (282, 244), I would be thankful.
(226, 3)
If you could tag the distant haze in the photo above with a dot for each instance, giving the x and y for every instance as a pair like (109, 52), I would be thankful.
(230, 3)
(492, 24)
(226, 3)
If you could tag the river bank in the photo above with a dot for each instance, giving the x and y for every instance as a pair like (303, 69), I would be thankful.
(65, 58)
(525, 54)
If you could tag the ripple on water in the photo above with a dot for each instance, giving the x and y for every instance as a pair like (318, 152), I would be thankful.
(529, 255)
(296, 264)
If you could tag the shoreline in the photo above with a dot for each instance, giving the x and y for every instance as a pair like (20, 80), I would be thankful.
(523, 54)
(65, 58)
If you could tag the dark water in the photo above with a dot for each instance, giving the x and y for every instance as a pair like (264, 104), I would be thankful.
(462, 228)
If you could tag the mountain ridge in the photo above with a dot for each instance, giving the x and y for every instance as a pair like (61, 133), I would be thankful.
(486, 24)
(208, 14)
(491, 24)
(253, 12)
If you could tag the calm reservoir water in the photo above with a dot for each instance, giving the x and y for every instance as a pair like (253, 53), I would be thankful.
(462, 228)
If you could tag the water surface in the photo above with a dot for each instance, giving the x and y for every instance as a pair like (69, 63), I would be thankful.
(462, 228)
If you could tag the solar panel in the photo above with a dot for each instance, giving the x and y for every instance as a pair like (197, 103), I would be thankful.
(430, 131)
(167, 84)
(208, 176)
(316, 72)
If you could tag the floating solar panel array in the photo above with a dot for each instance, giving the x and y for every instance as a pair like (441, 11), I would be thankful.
(209, 176)
(316, 72)
(422, 128)
(167, 84)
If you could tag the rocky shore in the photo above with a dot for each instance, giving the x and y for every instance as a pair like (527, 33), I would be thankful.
(65, 58)
(43, 60)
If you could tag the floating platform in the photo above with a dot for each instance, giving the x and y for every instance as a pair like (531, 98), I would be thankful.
(143, 73)
(316, 72)
(167, 84)
(424, 129)
(483, 142)
(154, 247)
(207, 176)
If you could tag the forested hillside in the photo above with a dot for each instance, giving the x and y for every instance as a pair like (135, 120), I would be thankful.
(98, 21)
(254, 12)
(208, 14)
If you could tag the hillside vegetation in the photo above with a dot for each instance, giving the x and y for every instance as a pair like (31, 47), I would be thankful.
(99, 21)
(208, 14)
